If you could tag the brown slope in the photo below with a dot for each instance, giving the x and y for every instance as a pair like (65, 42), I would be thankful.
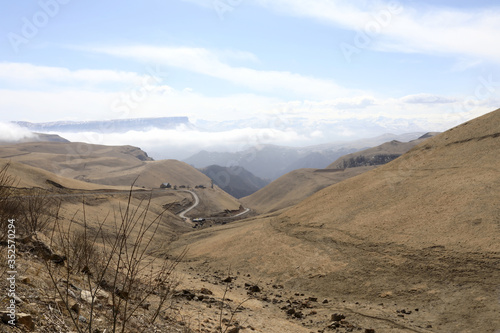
(28, 176)
(115, 166)
(422, 232)
(379, 155)
(442, 192)
(295, 186)
(75, 160)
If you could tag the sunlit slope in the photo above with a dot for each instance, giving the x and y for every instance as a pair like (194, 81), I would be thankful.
(422, 232)
(74, 159)
(295, 186)
(28, 177)
(100, 166)
(443, 192)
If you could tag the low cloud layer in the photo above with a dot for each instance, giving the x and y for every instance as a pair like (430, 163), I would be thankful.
(183, 142)
(12, 133)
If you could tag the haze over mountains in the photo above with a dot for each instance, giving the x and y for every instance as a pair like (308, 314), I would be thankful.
(180, 138)
(271, 162)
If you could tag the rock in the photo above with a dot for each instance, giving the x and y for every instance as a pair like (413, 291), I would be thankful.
(86, 296)
(206, 291)
(298, 315)
(254, 289)
(369, 330)
(24, 279)
(82, 319)
(26, 320)
(58, 259)
(325, 301)
(337, 317)
(19, 319)
(228, 280)
(76, 308)
(102, 296)
(234, 330)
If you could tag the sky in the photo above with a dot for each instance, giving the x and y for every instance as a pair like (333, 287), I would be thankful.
(407, 65)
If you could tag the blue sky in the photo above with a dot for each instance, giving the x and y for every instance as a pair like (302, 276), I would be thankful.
(433, 64)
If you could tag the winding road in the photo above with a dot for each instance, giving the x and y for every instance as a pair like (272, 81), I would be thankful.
(196, 203)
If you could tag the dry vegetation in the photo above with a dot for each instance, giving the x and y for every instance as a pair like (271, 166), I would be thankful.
(411, 246)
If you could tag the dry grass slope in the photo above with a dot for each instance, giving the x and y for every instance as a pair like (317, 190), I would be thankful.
(294, 187)
(422, 232)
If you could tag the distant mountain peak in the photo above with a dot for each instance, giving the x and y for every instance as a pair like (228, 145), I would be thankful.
(107, 126)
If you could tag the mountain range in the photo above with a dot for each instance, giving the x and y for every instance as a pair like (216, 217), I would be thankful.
(271, 161)
(107, 126)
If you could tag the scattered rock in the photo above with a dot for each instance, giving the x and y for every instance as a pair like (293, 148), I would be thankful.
(206, 291)
(76, 308)
(23, 319)
(254, 289)
(26, 320)
(337, 317)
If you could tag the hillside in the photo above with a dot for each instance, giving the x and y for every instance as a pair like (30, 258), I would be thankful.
(379, 155)
(295, 186)
(113, 166)
(234, 180)
(413, 245)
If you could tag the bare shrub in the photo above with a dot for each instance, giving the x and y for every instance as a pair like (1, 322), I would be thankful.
(37, 209)
(9, 206)
(116, 257)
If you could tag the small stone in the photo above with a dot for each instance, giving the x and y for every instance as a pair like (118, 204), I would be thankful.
(206, 291)
(24, 279)
(337, 317)
(254, 289)
(76, 308)
(26, 320)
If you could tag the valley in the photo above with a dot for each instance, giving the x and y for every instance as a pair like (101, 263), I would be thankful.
(406, 245)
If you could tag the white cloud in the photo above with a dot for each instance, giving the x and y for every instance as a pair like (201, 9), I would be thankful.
(30, 74)
(12, 132)
(183, 142)
(427, 99)
(207, 62)
(394, 26)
